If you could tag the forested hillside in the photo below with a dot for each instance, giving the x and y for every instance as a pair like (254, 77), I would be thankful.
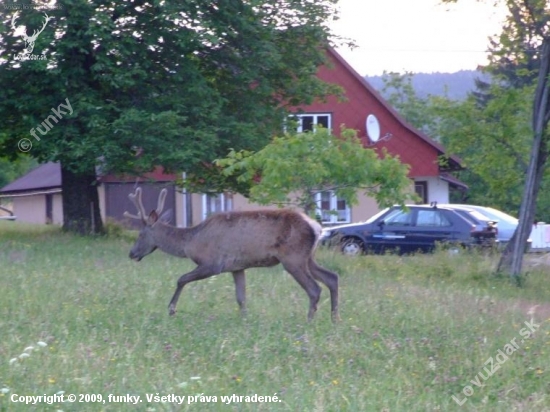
(454, 85)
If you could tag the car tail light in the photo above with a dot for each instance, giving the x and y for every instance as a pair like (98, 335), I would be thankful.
(492, 226)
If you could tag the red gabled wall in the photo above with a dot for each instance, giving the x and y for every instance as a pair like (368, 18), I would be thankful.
(157, 175)
(362, 100)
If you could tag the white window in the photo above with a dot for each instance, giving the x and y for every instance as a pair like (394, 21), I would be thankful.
(332, 209)
(215, 203)
(308, 121)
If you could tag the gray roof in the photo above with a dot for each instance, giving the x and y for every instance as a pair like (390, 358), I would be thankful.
(44, 177)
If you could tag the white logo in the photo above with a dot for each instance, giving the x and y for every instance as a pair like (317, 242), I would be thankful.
(29, 40)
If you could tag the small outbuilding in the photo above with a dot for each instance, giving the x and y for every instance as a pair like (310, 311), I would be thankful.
(36, 197)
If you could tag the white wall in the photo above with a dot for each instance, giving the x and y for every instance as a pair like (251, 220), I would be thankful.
(438, 189)
(30, 209)
(57, 209)
(540, 235)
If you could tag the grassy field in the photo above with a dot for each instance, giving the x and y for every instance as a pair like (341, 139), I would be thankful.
(78, 317)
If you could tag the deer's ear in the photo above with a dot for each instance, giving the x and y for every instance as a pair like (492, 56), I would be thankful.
(152, 218)
(167, 216)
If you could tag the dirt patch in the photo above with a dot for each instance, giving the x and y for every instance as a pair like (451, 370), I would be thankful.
(537, 260)
(538, 311)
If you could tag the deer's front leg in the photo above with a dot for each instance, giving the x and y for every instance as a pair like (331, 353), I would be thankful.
(200, 272)
(240, 289)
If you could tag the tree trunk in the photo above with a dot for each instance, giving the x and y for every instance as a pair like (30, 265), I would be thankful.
(80, 202)
(512, 258)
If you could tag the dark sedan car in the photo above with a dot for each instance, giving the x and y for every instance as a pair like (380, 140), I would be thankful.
(410, 229)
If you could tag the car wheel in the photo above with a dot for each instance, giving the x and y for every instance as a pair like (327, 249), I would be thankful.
(352, 247)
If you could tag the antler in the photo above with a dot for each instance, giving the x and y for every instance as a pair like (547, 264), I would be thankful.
(37, 32)
(136, 200)
(160, 204)
(13, 18)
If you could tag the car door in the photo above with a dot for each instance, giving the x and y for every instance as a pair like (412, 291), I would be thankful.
(430, 226)
(392, 231)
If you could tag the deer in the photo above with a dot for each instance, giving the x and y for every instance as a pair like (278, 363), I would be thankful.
(235, 241)
(30, 40)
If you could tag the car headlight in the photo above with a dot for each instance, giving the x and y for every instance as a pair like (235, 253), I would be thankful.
(326, 234)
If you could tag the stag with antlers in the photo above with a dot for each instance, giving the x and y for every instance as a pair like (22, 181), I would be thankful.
(29, 40)
(235, 241)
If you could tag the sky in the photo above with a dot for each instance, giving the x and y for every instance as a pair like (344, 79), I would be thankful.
(416, 35)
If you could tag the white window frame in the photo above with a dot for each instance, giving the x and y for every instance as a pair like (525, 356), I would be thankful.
(341, 216)
(315, 116)
(215, 203)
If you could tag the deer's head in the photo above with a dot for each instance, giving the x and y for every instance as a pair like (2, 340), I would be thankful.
(30, 40)
(146, 242)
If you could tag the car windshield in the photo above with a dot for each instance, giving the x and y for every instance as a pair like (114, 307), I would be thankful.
(376, 216)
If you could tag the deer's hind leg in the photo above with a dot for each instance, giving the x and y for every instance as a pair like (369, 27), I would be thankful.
(300, 272)
(330, 279)
(240, 289)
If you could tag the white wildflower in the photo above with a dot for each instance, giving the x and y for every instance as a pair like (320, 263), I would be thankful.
(24, 355)
(42, 344)
(13, 360)
(4, 390)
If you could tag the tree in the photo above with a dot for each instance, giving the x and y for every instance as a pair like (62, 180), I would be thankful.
(11, 170)
(294, 168)
(126, 86)
(400, 94)
(493, 141)
(479, 135)
(512, 257)
(524, 52)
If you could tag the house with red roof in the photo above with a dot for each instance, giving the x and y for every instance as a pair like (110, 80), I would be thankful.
(379, 126)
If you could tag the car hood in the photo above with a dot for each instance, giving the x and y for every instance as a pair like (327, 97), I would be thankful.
(339, 227)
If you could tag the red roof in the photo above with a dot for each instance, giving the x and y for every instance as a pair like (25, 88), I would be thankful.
(157, 175)
(411, 145)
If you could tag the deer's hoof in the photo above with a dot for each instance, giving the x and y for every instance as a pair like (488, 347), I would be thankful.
(172, 311)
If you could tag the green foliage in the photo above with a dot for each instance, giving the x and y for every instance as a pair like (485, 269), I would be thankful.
(157, 83)
(493, 139)
(415, 330)
(293, 168)
(151, 87)
(401, 95)
(514, 54)
(11, 170)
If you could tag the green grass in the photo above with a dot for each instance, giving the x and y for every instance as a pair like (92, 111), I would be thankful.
(414, 332)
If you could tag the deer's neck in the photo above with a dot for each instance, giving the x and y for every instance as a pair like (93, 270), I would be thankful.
(171, 240)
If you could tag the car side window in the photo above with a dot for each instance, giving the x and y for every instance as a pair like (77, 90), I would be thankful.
(399, 218)
(431, 218)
